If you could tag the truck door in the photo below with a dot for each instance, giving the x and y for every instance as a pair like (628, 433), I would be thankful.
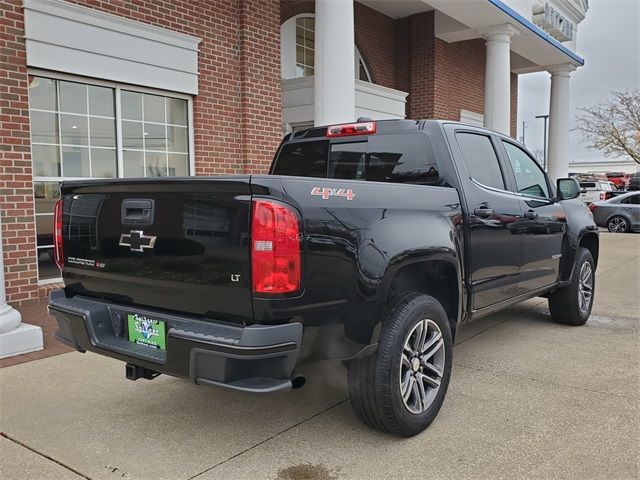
(543, 223)
(492, 214)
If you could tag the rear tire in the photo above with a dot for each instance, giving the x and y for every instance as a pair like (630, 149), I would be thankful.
(400, 388)
(571, 305)
(618, 224)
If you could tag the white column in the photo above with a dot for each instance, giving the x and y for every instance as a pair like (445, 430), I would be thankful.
(334, 79)
(15, 337)
(559, 120)
(497, 84)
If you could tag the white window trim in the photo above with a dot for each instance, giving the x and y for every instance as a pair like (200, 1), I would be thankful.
(288, 50)
(471, 118)
(119, 154)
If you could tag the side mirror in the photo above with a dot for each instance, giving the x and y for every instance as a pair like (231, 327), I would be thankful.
(568, 188)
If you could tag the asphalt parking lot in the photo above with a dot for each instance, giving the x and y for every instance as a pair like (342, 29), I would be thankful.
(528, 399)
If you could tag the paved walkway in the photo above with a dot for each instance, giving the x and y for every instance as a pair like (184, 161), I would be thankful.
(528, 398)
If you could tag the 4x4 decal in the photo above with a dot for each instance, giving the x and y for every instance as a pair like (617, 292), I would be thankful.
(326, 192)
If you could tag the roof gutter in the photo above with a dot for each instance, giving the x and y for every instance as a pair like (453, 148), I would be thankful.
(537, 30)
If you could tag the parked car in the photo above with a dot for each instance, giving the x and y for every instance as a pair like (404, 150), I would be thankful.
(619, 179)
(620, 214)
(369, 242)
(634, 182)
(595, 190)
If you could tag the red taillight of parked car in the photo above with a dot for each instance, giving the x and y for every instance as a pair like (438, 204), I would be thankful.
(602, 196)
(592, 207)
(57, 235)
(275, 248)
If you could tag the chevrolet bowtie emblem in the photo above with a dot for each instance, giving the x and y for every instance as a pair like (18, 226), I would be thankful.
(137, 241)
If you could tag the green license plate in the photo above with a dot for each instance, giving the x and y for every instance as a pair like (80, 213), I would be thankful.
(147, 331)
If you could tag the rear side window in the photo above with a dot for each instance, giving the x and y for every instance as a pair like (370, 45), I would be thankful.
(306, 159)
(587, 184)
(480, 159)
(399, 158)
(631, 200)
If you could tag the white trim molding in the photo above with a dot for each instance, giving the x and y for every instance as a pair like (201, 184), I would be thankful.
(371, 100)
(78, 40)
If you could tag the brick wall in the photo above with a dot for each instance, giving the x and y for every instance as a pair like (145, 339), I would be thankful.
(420, 76)
(237, 112)
(260, 83)
(16, 185)
(291, 8)
(442, 78)
(459, 78)
(375, 38)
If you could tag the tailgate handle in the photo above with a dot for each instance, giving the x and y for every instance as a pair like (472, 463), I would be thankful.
(137, 211)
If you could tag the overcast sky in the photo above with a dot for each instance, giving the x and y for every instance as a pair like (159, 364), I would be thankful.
(609, 41)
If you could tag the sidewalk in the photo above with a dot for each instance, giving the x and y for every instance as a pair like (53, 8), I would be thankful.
(528, 399)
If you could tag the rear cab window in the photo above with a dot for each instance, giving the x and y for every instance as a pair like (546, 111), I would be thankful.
(397, 158)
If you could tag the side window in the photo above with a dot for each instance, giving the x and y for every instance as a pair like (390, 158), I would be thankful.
(631, 200)
(529, 177)
(481, 160)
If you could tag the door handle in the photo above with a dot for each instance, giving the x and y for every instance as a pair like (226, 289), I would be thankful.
(530, 215)
(137, 211)
(483, 212)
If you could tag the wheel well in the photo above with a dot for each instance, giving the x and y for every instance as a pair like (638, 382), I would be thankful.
(590, 241)
(437, 278)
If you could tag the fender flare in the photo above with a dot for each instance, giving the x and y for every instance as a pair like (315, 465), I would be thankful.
(440, 254)
(569, 253)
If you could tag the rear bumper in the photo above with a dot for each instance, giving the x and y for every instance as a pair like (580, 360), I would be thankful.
(257, 358)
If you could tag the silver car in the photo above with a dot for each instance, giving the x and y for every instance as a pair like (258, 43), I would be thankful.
(619, 214)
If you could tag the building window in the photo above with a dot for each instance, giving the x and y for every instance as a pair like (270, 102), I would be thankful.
(75, 132)
(298, 62)
(305, 46)
(154, 135)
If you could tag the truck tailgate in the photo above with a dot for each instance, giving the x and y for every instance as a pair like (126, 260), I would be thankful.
(175, 244)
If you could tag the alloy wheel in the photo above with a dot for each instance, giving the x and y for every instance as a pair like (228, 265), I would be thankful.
(421, 366)
(617, 225)
(585, 287)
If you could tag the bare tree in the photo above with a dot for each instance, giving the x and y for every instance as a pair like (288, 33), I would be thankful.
(538, 154)
(613, 126)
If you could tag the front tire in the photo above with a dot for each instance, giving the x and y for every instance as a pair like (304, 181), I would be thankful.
(571, 305)
(400, 388)
(618, 224)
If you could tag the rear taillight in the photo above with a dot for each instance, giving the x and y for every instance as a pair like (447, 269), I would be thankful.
(348, 129)
(275, 248)
(592, 207)
(602, 196)
(57, 235)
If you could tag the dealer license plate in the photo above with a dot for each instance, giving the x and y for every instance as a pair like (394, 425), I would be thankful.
(147, 331)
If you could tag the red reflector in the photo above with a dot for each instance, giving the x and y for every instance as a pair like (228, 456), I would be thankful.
(364, 128)
(57, 235)
(275, 248)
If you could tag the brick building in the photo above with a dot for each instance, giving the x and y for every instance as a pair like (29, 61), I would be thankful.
(97, 88)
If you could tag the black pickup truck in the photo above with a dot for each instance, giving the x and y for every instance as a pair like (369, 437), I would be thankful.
(369, 242)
